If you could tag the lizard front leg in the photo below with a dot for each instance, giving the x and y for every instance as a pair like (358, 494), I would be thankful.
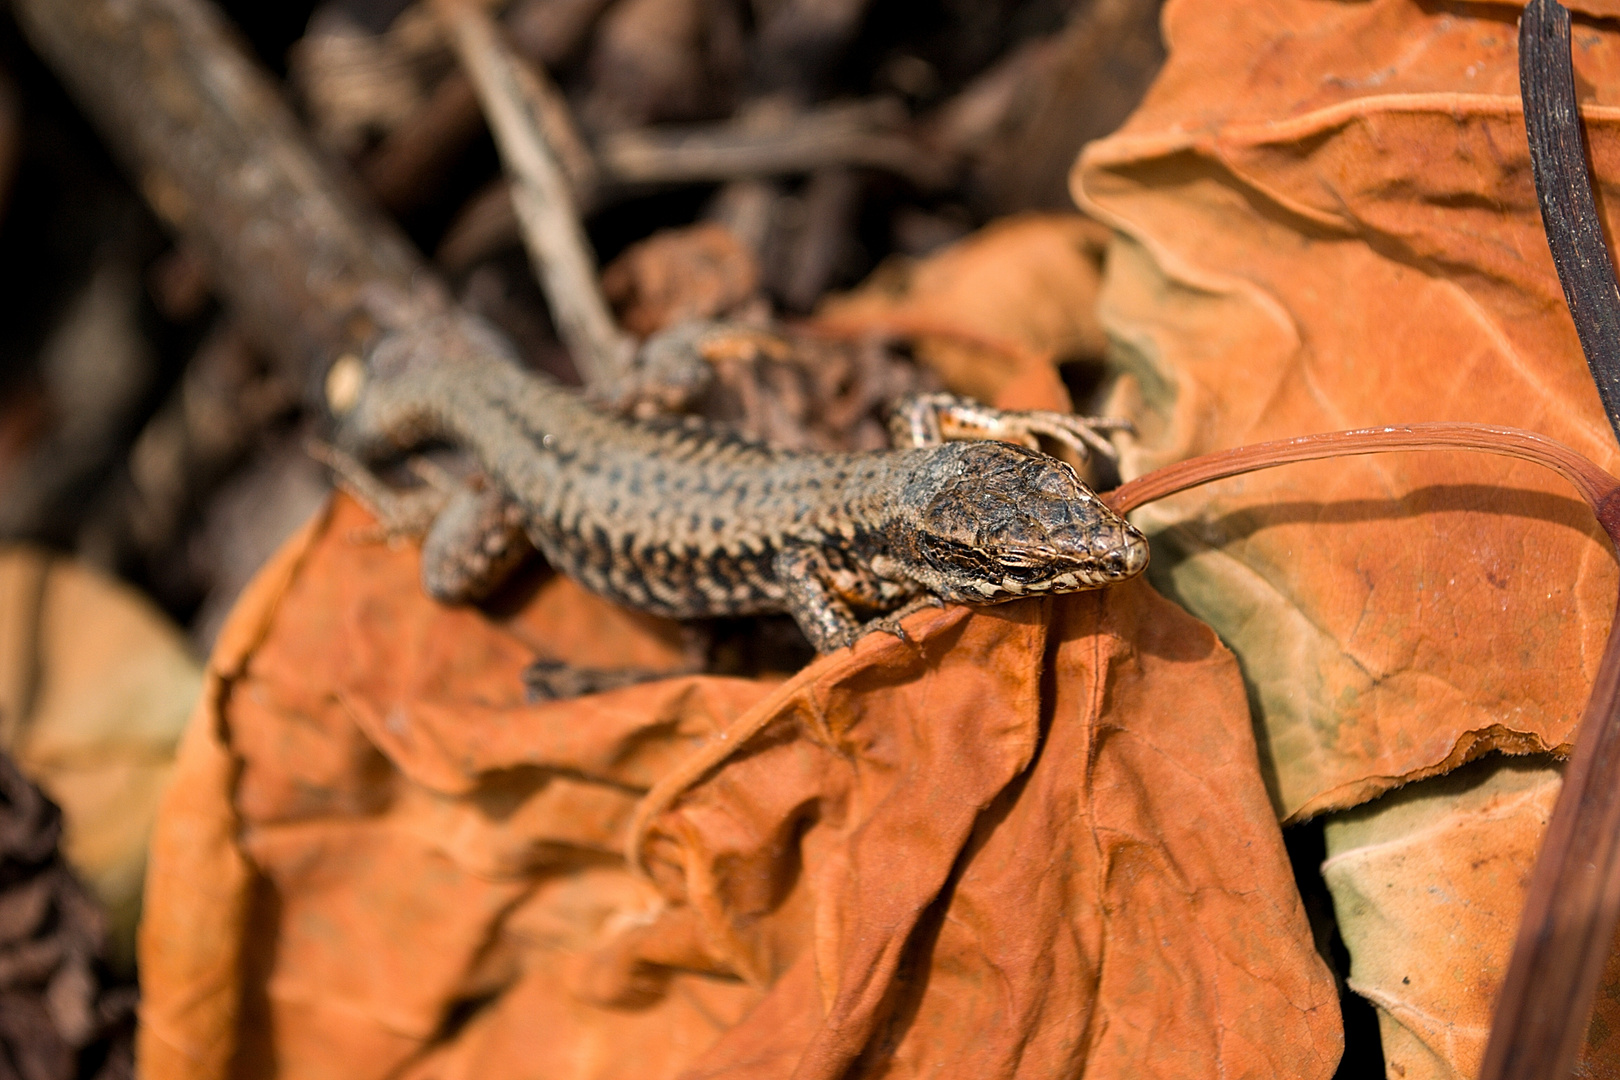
(930, 419)
(474, 545)
(822, 597)
(825, 617)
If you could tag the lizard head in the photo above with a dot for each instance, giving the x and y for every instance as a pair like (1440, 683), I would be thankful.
(982, 522)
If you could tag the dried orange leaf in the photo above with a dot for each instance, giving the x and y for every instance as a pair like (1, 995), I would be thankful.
(1089, 875)
(993, 312)
(1428, 884)
(369, 825)
(95, 688)
(1033, 839)
(1327, 220)
(698, 272)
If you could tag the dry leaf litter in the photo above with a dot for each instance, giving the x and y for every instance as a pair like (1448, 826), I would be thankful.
(1044, 840)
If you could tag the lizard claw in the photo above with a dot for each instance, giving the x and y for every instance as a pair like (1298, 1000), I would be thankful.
(892, 626)
(890, 623)
(884, 624)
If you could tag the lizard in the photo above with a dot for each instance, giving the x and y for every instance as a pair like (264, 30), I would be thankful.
(682, 519)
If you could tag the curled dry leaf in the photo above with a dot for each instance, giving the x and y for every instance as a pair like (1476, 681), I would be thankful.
(95, 688)
(1428, 884)
(1033, 843)
(992, 313)
(698, 272)
(1327, 220)
(370, 829)
(1032, 840)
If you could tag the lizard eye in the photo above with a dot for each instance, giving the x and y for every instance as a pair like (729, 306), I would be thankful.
(1027, 572)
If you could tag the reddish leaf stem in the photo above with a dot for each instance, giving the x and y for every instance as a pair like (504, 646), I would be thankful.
(1573, 903)
(1595, 485)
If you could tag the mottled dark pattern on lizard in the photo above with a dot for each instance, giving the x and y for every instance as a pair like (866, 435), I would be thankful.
(679, 519)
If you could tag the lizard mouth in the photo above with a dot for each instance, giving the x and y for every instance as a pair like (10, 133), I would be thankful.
(1118, 556)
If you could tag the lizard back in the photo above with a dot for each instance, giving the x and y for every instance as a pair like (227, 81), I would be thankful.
(670, 516)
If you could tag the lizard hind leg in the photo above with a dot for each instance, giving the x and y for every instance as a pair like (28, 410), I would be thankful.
(474, 544)
(472, 536)
(556, 680)
(819, 596)
(824, 616)
(552, 680)
(401, 514)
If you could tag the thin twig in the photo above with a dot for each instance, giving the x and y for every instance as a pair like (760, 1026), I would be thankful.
(224, 162)
(541, 194)
(780, 143)
(1573, 903)
(851, 135)
(556, 123)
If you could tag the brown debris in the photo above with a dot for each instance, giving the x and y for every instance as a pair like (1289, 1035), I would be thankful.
(659, 60)
(803, 391)
(95, 688)
(51, 1006)
(809, 391)
(1081, 86)
(696, 273)
(356, 86)
(403, 170)
(94, 369)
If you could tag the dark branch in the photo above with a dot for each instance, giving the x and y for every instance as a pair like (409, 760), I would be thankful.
(1568, 210)
(1573, 903)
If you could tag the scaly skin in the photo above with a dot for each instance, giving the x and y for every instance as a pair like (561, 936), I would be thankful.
(680, 520)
